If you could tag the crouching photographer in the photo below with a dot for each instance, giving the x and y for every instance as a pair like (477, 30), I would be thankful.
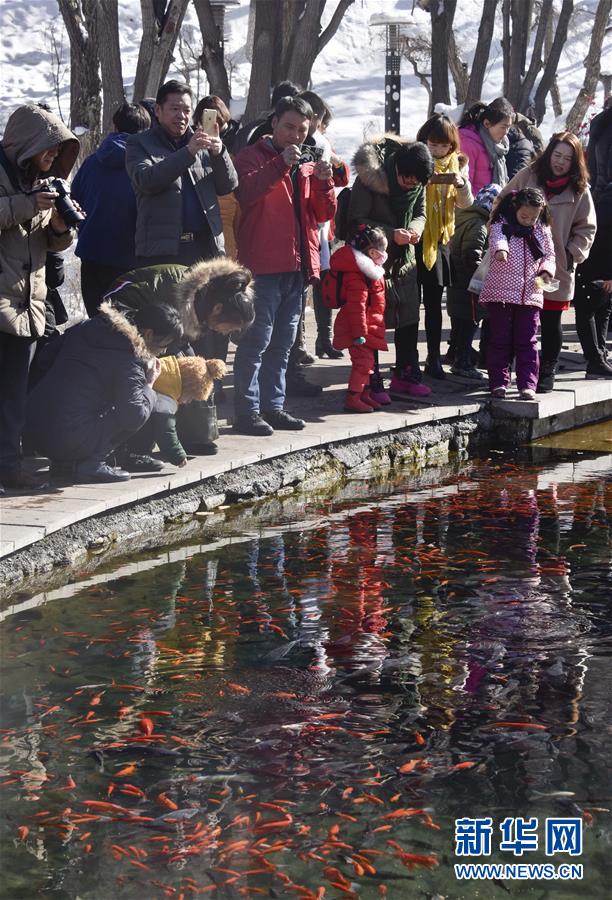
(35, 144)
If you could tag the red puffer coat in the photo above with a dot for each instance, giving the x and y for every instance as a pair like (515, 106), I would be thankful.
(363, 293)
(268, 231)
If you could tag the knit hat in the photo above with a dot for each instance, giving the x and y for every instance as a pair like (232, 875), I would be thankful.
(415, 159)
(485, 197)
(169, 379)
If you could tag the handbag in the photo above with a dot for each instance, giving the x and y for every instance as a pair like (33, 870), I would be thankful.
(196, 424)
(478, 278)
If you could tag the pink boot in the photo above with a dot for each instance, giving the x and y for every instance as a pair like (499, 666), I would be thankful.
(408, 384)
(378, 392)
(354, 403)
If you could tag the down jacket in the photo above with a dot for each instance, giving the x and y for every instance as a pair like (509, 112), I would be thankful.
(156, 168)
(271, 237)
(362, 295)
(467, 248)
(476, 152)
(96, 384)
(370, 205)
(103, 189)
(25, 232)
(573, 225)
(514, 281)
(599, 151)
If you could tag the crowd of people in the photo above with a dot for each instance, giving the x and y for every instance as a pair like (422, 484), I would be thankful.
(193, 230)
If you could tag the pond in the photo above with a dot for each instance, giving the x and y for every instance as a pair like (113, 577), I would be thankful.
(308, 711)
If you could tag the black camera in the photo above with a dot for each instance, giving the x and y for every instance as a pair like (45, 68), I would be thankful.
(63, 203)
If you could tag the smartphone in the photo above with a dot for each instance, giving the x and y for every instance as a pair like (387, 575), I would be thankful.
(310, 154)
(443, 178)
(208, 121)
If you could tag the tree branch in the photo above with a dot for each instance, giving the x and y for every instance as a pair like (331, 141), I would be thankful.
(333, 25)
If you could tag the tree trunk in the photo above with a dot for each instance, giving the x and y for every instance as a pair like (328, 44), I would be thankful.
(156, 45)
(459, 69)
(483, 49)
(107, 21)
(592, 66)
(535, 65)
(212, 51)
(85, 85)
(505, 44)
(442, 13)
(520, 16)
(302, 48)
(266, 20)
(552, 61)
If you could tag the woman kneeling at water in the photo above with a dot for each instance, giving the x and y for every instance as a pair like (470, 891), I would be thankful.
(96, 391)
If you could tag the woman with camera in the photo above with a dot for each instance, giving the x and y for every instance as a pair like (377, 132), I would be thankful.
(35, 144)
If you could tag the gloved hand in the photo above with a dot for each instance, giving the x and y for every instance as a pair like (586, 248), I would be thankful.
(359, 341)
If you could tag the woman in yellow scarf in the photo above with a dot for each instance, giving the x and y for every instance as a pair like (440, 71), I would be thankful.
(449, 187)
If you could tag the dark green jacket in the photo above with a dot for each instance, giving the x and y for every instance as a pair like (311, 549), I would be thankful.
(467, 248)
(370, 205)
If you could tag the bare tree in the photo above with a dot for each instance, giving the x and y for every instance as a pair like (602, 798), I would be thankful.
(212, 51)
(458, 68)
(417, 50)
(107, 23)
(80, 20)
(288, 37)
(189, 49)
(263, 51)
(592, 67)
(536, 63)
(517, 27)
(161, 23)
(552, 60)
(483, 50)
(442, 13)
(60, 65)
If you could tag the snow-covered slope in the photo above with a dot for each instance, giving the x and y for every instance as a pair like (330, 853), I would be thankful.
(349, 73)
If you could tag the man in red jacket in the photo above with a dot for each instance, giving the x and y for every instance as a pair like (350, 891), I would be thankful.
(281, 202)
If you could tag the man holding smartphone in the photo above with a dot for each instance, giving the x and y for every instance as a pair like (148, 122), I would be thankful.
(177, 174)
(281, 201)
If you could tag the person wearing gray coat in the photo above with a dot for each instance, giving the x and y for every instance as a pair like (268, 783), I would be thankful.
(177, 175)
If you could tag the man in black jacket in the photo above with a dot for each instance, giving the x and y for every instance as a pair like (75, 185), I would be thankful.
(177, 175)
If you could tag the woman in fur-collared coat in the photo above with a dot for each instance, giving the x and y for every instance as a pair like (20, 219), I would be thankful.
(389, 193)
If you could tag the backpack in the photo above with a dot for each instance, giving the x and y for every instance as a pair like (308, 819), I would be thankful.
(331, 289)
(341, 219)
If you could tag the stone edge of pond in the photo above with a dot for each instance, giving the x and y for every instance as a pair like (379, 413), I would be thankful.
(149, 524)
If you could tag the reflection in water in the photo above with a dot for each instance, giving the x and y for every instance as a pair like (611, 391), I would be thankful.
(305, 714)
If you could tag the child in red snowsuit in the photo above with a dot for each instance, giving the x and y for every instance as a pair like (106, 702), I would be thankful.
(360, 324)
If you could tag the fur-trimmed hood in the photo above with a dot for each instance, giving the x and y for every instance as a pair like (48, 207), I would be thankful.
(223, 276)
(121, 324)
(368, 162)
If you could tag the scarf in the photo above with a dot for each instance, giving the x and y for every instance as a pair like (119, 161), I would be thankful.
(440, 200)
(513, 229)
(554, 186)
(401, 201)
(497, 156)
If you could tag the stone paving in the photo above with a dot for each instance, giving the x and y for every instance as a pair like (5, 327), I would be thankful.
(26, 519)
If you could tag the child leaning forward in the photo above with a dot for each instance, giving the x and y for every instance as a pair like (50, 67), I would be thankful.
(522, 261)
(360, 324)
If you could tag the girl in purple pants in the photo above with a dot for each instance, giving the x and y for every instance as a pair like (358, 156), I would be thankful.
(522, 261)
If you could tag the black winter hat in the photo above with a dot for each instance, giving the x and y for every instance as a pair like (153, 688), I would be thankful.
(415, 159)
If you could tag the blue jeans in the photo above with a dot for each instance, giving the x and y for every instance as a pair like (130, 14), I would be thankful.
(261, 358)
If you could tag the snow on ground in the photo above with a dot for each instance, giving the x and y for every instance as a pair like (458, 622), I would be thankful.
(349, 73)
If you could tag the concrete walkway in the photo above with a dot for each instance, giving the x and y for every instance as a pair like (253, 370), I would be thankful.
(24, 520)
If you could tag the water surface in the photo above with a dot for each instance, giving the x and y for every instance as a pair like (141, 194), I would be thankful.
(305, 713)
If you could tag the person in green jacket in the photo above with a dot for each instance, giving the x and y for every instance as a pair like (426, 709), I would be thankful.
(467, 249)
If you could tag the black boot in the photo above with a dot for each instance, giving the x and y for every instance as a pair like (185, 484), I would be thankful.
(546, 381)
(323, 318)
(324, 347)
